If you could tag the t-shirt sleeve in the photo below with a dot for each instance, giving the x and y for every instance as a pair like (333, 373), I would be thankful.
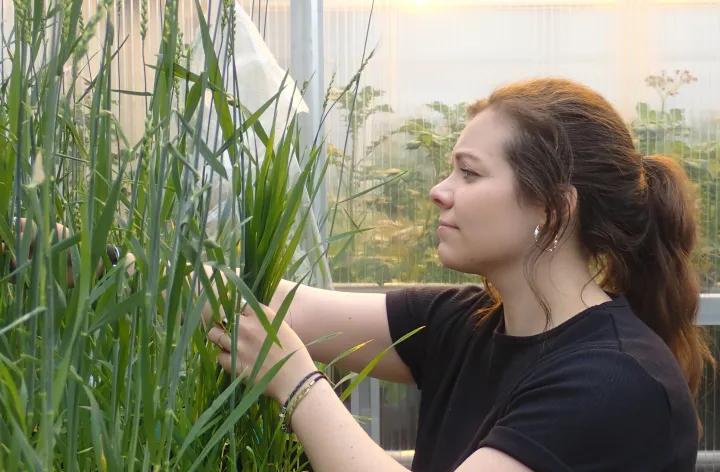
(572, 412)
(441, 310)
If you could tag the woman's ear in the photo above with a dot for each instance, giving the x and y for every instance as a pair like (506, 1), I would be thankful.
(566, 215)
(568, 210)
(571, 199)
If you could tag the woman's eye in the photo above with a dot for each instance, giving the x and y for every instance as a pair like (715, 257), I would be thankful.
(467, 173)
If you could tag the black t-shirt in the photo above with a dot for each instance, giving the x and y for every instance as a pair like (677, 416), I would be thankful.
(599, 392)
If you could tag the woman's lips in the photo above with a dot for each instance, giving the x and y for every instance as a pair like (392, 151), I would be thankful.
(446, 225)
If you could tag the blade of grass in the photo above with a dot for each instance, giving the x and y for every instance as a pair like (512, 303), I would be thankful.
(248, 399)
(371, 365)
(26, 317)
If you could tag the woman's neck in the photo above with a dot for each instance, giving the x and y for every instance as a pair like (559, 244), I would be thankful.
(563, 281)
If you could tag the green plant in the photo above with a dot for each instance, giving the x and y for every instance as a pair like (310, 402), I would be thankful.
(115, 373)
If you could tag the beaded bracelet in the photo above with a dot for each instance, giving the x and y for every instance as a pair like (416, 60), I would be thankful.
(293, 401)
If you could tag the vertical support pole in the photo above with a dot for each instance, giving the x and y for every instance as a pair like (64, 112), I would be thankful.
(306, 67)
(375, 409)
(365, 403)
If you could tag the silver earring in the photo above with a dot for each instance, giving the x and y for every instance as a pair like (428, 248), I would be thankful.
(555, 241)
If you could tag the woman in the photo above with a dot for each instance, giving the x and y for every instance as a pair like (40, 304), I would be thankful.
(580, 354)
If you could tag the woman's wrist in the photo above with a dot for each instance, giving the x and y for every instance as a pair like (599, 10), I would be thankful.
(300, 391)
(295, 375)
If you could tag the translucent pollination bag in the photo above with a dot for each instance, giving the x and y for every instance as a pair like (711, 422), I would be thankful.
(252, 76)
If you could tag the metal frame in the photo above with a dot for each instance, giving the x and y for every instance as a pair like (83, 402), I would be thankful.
(307, 67)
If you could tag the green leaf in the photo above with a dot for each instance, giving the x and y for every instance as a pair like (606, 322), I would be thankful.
(104, 452)
(26, 317)
(249, 297)
(370, 189)
(113, 312)
(215, 78)
(193, 98)
(205, 152)
(248, 123)
(206, 416)
(32, 456)
(346, 353)
(248, 399)
(371, 365)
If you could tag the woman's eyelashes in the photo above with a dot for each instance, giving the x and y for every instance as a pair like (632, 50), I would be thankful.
(468, 174)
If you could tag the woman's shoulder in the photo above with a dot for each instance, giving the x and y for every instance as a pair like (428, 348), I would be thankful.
(598, 366)
(597, 400)
(625, 381)
(612, 335)
(639, 345)
(441, 292)
(448, 313)
(605, 385)
(437, 303)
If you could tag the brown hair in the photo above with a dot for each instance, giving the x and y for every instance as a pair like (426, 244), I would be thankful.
(636, 214)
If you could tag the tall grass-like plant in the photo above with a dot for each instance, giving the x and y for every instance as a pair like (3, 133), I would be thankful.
(113, 371)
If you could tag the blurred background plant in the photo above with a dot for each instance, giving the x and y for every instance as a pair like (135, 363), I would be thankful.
(400, 241)
(697, 148)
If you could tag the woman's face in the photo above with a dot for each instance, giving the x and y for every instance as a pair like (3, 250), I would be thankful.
(482, 225)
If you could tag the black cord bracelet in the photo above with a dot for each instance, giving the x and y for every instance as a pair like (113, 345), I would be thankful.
(286, 414)
(297, 387)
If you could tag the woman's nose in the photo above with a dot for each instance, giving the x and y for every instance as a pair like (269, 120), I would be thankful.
(441, 195)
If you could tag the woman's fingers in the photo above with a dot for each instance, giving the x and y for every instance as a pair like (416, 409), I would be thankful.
(248, 311)
(225, 360)
(220, 338)
(129, 262)
(249, 340)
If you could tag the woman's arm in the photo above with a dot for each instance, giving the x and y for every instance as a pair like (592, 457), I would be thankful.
(490, 459)
(356, 317)
(333, 440)
(353, 319)
(331, 437)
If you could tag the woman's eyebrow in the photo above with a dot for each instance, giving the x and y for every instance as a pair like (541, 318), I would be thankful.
(467, 156)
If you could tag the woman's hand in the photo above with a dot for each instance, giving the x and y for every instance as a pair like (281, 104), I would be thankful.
(250, 338)
(128, 260)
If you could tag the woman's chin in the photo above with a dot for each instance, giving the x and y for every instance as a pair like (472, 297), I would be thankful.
(455, 262)
(448, 260)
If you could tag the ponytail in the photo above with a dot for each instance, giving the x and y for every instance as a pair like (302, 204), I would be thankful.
(661, 283)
